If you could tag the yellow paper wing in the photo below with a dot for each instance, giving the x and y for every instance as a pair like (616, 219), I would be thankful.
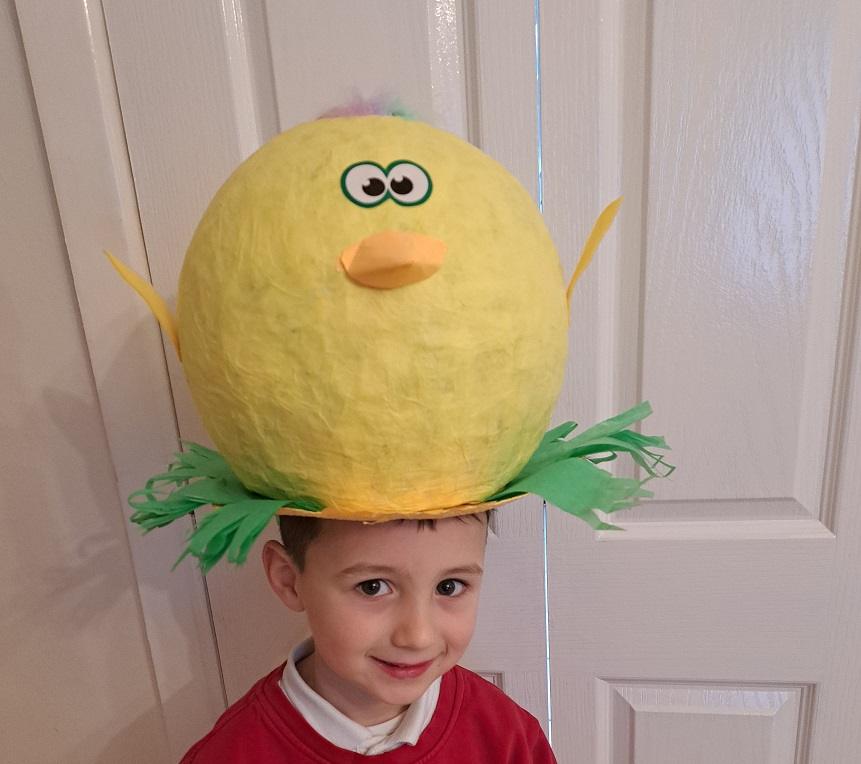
(602, 225)
(153, 299)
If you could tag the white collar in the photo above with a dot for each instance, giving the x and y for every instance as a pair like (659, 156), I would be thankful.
(342, 731)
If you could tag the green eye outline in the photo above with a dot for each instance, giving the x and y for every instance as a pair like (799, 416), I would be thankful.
(424, 196)
(352, 198)
(388, 194)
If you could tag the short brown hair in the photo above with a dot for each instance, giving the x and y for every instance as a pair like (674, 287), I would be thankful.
(298, 532)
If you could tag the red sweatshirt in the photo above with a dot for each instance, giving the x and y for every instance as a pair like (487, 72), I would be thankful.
(474, 722)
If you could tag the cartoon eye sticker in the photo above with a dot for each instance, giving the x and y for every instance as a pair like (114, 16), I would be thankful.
(408, 183)
(367, 184)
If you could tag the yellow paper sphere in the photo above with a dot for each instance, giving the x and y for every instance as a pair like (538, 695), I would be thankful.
(379, 402)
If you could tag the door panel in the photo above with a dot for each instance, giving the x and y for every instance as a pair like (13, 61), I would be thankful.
(697, 633)
(225, 80)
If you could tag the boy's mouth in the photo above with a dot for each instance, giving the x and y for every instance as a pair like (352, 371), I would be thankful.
(403, 670)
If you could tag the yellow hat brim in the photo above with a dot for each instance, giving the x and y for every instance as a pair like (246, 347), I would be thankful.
(365, 516)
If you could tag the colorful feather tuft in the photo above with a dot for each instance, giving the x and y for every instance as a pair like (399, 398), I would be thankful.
(383, 106)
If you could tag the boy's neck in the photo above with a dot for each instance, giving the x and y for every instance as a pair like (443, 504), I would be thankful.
(354, 705)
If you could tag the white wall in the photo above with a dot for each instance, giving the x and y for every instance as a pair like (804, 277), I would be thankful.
(75, 672)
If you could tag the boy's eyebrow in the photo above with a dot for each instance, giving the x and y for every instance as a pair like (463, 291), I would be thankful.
(371, 568)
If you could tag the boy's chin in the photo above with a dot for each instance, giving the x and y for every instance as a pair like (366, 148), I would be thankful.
(402, 696)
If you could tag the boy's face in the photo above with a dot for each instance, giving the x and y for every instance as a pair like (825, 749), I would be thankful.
(391, 607)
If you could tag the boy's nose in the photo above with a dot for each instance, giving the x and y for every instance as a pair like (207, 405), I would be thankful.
(414, 629)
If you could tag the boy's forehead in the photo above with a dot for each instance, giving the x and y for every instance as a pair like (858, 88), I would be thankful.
(404, 542)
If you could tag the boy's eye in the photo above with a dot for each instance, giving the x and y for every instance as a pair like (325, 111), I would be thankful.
(374, 588)
(451, 587)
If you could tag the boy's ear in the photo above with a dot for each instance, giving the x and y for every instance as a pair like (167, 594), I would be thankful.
(283, 575)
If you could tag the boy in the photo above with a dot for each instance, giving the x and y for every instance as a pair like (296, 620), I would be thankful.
(346, 297)
(391, 609)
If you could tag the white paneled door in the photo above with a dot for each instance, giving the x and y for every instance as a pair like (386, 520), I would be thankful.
(723, 624)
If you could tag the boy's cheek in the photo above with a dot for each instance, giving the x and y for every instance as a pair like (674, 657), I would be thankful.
(345, 623)
(461, 627)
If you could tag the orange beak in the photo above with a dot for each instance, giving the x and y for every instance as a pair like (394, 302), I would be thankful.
(391, 259)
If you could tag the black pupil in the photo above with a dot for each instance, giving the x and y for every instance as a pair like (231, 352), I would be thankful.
(402, 185)
(374, 187)
(446, 587)
(371, 587)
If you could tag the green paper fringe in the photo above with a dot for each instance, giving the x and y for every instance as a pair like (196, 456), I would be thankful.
(205, 478)
(561, 471)
(564, 472)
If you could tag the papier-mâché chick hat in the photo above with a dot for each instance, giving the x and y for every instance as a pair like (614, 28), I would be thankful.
(372, 320)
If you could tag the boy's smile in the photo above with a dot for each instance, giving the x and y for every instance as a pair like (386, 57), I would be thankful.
(391, 607)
